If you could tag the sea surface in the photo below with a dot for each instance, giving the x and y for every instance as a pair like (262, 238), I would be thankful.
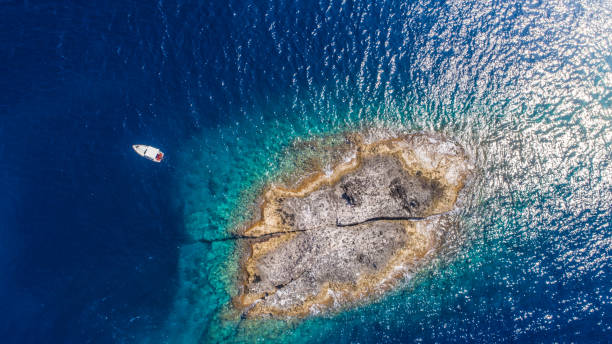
(98, 245)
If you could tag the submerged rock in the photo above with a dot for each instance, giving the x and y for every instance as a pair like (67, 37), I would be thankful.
(354, 231)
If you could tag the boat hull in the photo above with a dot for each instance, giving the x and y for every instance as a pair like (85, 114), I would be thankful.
(149, 152)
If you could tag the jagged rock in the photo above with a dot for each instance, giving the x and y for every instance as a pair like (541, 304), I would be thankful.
(342, 236)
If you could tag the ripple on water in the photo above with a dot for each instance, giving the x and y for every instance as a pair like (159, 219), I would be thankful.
(525, 85)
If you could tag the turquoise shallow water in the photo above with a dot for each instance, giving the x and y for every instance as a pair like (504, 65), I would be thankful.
(525, 87)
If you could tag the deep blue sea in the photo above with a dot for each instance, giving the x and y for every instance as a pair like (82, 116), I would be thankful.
(98, 245)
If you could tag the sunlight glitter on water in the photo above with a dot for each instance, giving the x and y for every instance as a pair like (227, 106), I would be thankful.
(527, 92)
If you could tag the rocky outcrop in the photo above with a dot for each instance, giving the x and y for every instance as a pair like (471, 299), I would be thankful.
(354, 231)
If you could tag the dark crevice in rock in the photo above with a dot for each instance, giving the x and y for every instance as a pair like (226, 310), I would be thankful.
(244, 313)
(246, 237)
(381, 218)
(350, 194)
(267, 235)
(388, 218)
(282, 285)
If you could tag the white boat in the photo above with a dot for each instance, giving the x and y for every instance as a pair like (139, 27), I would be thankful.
(149, 152)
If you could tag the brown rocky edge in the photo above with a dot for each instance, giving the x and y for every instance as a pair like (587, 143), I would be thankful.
(353, 232)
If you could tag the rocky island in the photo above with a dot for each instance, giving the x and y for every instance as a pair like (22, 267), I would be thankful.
(354, 231)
